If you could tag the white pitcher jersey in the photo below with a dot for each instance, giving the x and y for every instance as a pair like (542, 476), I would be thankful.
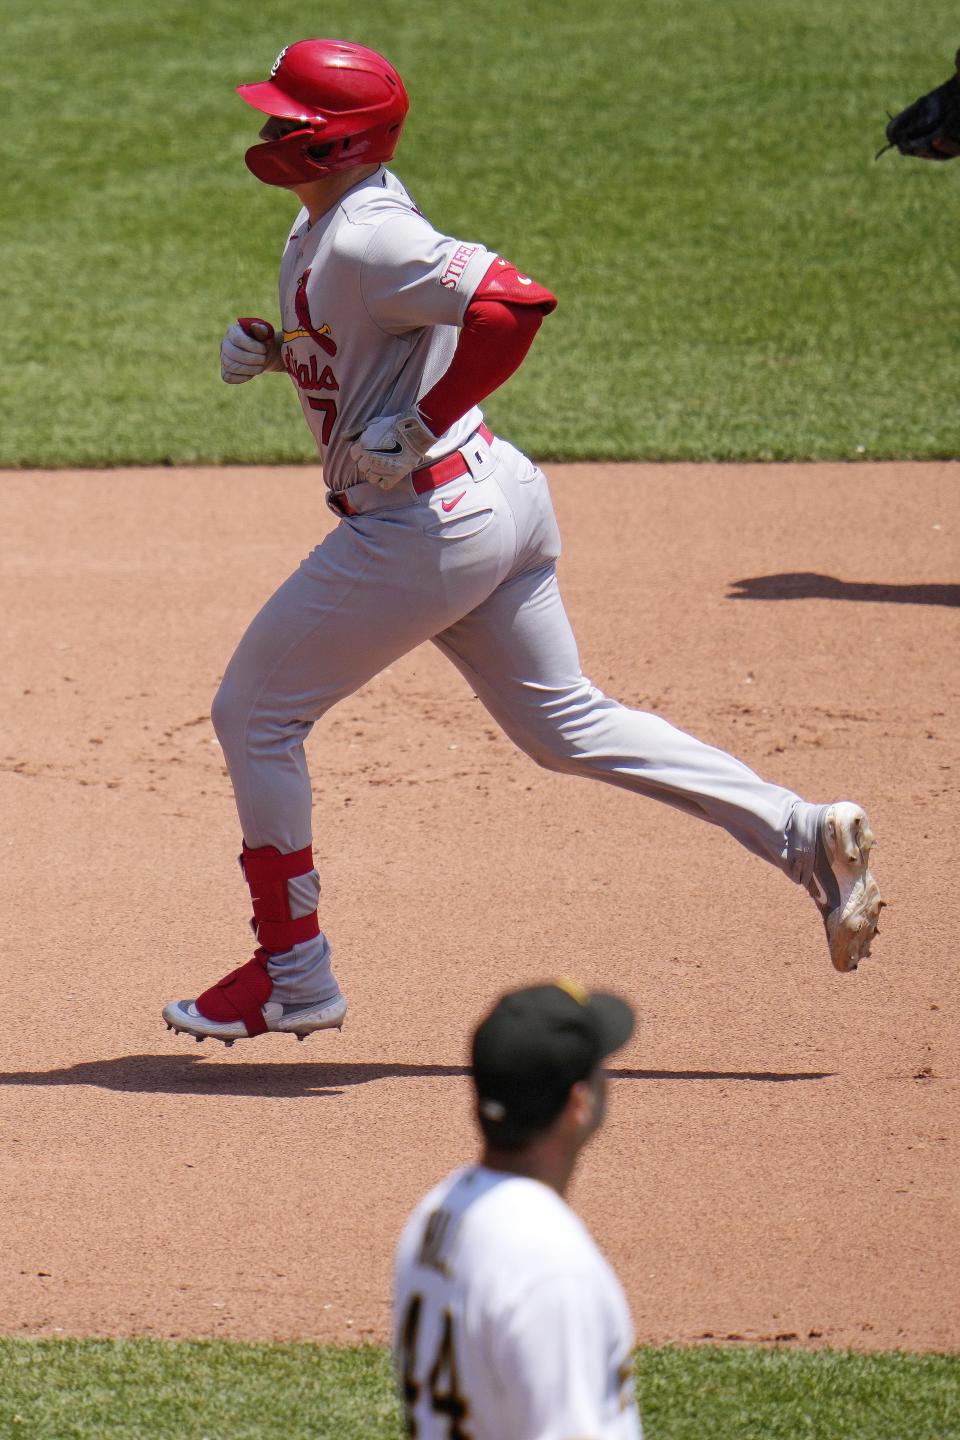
(371, 300)
(508, 1322)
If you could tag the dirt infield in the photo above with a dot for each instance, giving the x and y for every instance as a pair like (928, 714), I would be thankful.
(781, 1159)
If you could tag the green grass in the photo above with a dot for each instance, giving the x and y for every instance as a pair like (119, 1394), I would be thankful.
(204, 1390)
(737, 277)
(150, 1390)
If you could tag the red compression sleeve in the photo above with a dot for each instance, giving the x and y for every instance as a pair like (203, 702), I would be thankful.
(494, 339)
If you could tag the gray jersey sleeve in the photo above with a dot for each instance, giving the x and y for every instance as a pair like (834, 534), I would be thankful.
(411, 276)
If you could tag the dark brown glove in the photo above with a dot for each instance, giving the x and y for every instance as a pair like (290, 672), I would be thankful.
(929, 128)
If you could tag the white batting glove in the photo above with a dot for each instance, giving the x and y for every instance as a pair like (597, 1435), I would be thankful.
(390, 447)
(248, 348)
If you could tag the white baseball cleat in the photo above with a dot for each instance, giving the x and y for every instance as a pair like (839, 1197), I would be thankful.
(299, 1020)
(844, 890)
(241, 1005)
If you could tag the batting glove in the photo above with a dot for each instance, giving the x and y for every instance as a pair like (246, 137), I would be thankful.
(248, 348)
(390, 447)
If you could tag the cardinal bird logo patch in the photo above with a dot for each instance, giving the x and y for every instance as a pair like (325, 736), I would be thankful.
(307, 330)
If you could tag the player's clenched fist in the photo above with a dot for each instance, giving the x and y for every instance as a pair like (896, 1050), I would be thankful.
(248, 348)
(390, 447)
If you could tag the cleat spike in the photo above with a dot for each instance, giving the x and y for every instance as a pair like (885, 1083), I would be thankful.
(300, 1037)
(228, 1043)
(169, 1026)
(200, 1039)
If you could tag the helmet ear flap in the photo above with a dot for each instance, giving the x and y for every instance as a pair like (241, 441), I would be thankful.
(303, 156)
(355, 98)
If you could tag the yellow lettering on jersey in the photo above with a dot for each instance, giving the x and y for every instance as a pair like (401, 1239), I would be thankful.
(625, 1384)
(431, 1247)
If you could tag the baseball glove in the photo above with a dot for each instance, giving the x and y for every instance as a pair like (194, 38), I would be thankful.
(930, 127)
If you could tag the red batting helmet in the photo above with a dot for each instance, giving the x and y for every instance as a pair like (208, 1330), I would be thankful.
(352, 103)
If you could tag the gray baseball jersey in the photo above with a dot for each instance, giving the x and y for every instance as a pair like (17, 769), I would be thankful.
(371, 298)
(508, 1322)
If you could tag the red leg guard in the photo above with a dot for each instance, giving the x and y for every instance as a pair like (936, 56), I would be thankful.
(240, 996)
(267, 871)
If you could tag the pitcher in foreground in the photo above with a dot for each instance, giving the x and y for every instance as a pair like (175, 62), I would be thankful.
(508, 1322)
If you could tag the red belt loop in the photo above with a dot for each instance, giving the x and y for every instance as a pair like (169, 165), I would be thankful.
(338, 499)
(451, 467)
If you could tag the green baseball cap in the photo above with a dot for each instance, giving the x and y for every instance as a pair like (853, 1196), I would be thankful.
(536, 1043)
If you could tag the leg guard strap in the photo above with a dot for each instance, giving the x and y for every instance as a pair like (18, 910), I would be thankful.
(240, 996)
(267, 871)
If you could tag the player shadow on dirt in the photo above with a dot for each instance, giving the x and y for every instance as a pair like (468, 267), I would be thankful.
(215, 1074)
(806, 585)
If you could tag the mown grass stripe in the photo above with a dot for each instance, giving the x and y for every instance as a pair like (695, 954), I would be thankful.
(737, 277)
(222, 1390)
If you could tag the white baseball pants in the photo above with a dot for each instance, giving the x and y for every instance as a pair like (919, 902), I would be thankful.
(477, 576)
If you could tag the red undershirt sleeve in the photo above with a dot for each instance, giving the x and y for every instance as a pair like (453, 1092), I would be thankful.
(493, 341)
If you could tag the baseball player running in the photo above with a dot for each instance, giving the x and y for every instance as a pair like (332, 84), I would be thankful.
(508, 1322)
(392, 334)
